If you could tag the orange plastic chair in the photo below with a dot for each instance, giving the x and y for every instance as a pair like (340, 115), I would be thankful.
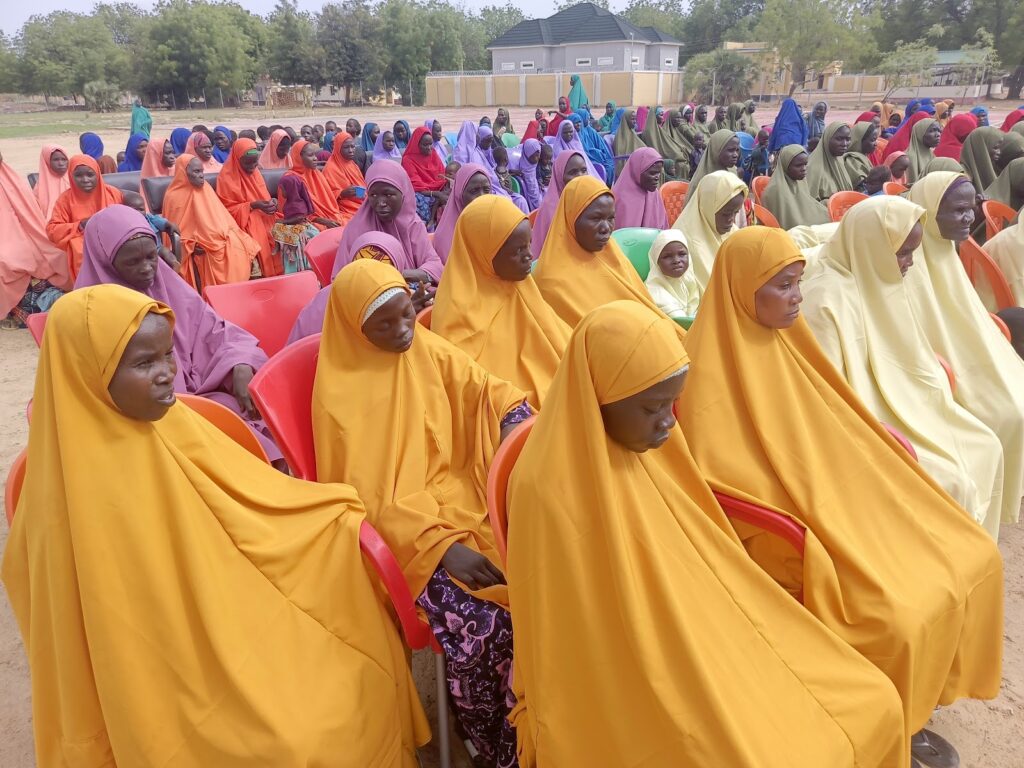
(532, 216)
(12, 490)
(764, 217)
(283, 391)
(266, 308)
(894, 188)
(227, 421)
(321, 250)
(497, 483)
(424, 315)
(1001, 325)
(673, 195)
(36, 324)
(900, 438)
(949, 372)
(975, 259)
(997, 216)
(841, 202)
(757, 186)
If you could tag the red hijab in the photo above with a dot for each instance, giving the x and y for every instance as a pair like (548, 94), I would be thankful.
(954, 134)
(900, 142)
(1011, 120)
(426, 172)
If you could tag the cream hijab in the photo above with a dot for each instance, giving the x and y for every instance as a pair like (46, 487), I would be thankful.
(1007, 250)
(858, 308)
(675, 296)
(989, 374)
(698, 221)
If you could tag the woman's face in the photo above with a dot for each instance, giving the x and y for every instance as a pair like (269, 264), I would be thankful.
(308, 155)
(674, 260)
(905, 254)
(502, 116)
(542, 127)
(649, 179)
(59, 162)
(720, 113)
(401, 134)
(393, 326)
(306, 133)
(534, 158)
(513, 260)
(777, 302)
(386, 201)
(222, 140)
(932, 135)
(840, 141)
(388, 142)
(436, 132)
(725, 217)
(567, 131)
(426, 144)
(870, 140)
(352, 127)
(284, 147)
(135, 262)
(900, 165)
(249, 162)
(563, 105)
(168, 156)
(701, 114)
(140, 149)
(484, 142)
(676, 120)
(477, 185)
(375, 133)
(538, 115)
(730, 154)
(955, 215)
(576, 166)
(630, 119)
(820, 109)
(348, 149)
(595, 225)
(204, 151)
(609, 109)
(797, 168)
(142, 387)
(194, 172)
(84, 178)
(643, 421)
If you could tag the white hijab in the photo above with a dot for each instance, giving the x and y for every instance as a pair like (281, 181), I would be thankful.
(675, 296)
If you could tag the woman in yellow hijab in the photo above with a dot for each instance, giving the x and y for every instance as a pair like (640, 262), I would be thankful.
(891, 564)
(581, 266)
(181, 602)
(858, 308)
(710, 220)
(989, 374)
(488, 304)
(413, 423)
(616, 664)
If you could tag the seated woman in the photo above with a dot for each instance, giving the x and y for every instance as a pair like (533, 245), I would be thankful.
(391, 208)
(488, 304)
(1008, 188)
(787, 196)
(426, 173)
(474, 146)
(304, 185)
(826, 171)
(159, 159)
(344, 177)
(243, 191)
(92, 145)
(581, 266)
(710, 219)
(637, 200)
(87, 195)
(592, 685)
(626, 140)
(989, 375)
(471, 181)
(200, 146)
(134, 153)
(384, 148)
(215, 359)
(526, 173)
(276, 152)
(722, 154)
(367, 140)
(424, 487)
(858, 157)
(979, 155)
(54, 179)
(214, 249)
(1007, 250)
(891, 563)
(400, 132)
(568, 166)
(670, 281)
(858, 308)
(923, 140)
(568, 140)
(668, 142)
(223, 643)
(954, 134)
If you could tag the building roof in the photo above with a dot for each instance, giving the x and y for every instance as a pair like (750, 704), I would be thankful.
(581, 23)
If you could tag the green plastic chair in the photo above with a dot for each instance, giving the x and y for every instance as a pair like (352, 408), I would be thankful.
(509, 139)
(515, 185)
(686, 322)
(636, 242)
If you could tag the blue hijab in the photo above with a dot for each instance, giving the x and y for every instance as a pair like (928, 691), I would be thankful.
(401, 145)
(179, 138)
(616, 119)
(597, 149)
(132, 161)
(329, 141)
(222, 155)
(789, 127)
(982, 114)
(91, 145)
(364, 138)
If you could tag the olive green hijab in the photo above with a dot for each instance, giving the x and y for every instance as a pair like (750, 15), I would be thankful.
(942, 164)
(857, 163)
(975, 155)
(670, 144)
(752, 125)
(826, 173)
(626, 141)
(709, 161)
(1008, 188)
(919, 154)
(790, 201)
(736, 113)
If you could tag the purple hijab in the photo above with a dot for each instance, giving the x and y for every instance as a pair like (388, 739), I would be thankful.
(574, 144)
(635, 206)
(467, 151)
(445, 231)
(311, 319)
(528, 179)
(407, 226)
(206, 347)
(549, 204)
(379, 153)
(439, 149)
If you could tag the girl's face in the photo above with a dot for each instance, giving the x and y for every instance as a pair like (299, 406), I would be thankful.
(84, 178)
(59, 162)
(388, 142)
(674, 260)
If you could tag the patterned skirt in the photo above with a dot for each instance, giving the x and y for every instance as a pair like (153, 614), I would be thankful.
(290, 244)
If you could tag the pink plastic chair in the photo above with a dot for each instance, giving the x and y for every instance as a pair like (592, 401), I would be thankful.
(497, 483)
(321, 250)
(36, 324)
(424, 316)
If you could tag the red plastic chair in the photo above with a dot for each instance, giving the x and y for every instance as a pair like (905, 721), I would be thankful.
(949, 372)
(227, 421)
(764, 217)
(975, 260)
(900, 438)
(1001, 325)
(265, 308)
(321, 250)
(36, 324)
(12, 489)
(997, 216)
(894, 188)
(758, 185)
(673, 195)
(497, 483)
(841, 202)
(283, 391)
(424, 315)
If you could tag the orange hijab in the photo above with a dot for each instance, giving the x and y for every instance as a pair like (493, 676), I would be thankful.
(73, 206)
(341, 173)
(325, 204)
(269, 158)
(153, 162)
(194, 141)
(237, 189)
(50, 186)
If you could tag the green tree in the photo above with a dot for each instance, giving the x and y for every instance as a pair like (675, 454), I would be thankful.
(350, 36)
(719, 77)
(1006, 20)
(496, 20)
(664, 15)
(10, 78)
(407, 48)
(711, 23)
(906, 63)
(294, 54)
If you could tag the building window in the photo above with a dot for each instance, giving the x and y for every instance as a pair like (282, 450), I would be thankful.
(526, 65)
(605, 61)
(583, 62)
(508, 66)
(669, 62)
(636, 61)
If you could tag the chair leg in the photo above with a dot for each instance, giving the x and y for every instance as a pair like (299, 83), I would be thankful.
(444, 730)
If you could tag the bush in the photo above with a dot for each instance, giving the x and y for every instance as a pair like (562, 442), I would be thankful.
(101, 96)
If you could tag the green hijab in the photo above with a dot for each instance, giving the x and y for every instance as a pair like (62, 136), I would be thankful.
(704, 127)
(606, 119)
(719, 125)
(857, 163)
(737, 113)
(1011, 149)
(709, 161)
(790, 201)
(975, 156)
(670, 144)
(752, 125)
(142, 121)
(942, 164)
(626, 141)
(826, 173)
(1008, 188)
(919, 154)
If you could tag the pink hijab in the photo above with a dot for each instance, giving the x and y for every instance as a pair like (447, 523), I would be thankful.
(635, 206)
(269, 158)
(198, 140)
(50, 186)
(549, 204)
(445, 231)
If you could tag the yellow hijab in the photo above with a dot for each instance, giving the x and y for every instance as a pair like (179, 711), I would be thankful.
(507, 327)
(675, 296)
(616, 663)
(989, 374)
(413, 432)
(698, 221)
(858, 308)
(891, 564)
(574, 281)
(175, 594)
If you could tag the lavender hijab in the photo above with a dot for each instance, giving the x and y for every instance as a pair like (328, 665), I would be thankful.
(311, 318)
(445, 231)
(439, 149)
(634, 205)
(407, 226)
(206, 347)
(574, 144)
(549, 204)
(528, 179)
(379, 153)
(467, 151)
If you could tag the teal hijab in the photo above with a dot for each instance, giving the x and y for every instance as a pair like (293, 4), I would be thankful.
(142, 121)
(577, 96)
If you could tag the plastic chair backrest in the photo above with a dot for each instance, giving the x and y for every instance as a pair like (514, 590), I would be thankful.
(974, 258)
(155, 187)
(894, 188)
(33, 179)
(36, 325)
(757, 186)
(12, 489)
(532, 216)
(424, 316)
(272, 177)
(841, 202)
(514, 183)
(673, 195)
(1002, 326)
(950, 376)
(509, 139)
(997, 216)
(126, 181)
(227, 421)
(765, 217)
(636, 242)
(497, 483)
(266, 308)
(901, 439)
(322, 251)
(283, 391)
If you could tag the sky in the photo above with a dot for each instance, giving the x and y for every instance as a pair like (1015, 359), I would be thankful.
(16, 13)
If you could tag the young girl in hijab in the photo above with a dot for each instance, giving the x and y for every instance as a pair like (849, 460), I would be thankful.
(134, 153)
(92, 145)
(200, 146)
(276, 153)
(637, 200)
(243, 191)
(710, 220)
(787, 196)
(384, 148)
(670, 280)
(954, 135)
(826, 171)
(159, 160)
(898, 163)
(471, 181)
(566, 168)
(54, 179)
(722, 154)
(426, 172)
(526, 173)
(924, 138)
(344, 176)
(222, 139)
